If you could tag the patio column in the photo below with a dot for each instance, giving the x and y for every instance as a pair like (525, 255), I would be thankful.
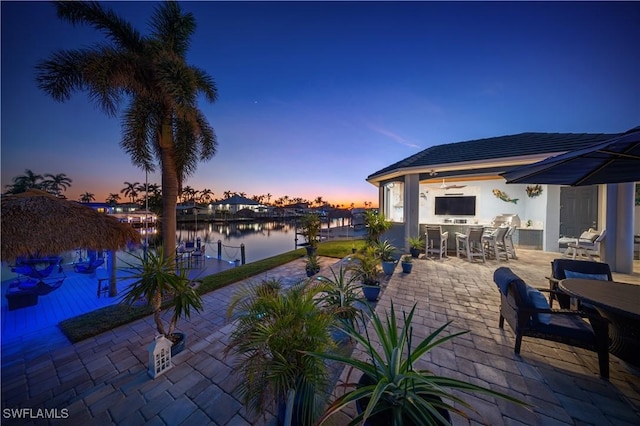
(411, 208)
(618, 243)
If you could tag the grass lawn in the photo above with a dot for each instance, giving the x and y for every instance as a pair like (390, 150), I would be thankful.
(104, 319)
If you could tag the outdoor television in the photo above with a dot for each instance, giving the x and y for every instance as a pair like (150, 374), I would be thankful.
(456, 206)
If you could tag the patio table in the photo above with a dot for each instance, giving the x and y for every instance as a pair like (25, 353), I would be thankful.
(620, 304)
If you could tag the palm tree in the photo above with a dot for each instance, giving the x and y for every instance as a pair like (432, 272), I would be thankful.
(113, 198)
(268, 197)
(188, 193)
(57, 183)
(206, 195)
(318, 201)
(130, 190)
(162, 117)
(227, 194)
(29, 180)
(87, 197)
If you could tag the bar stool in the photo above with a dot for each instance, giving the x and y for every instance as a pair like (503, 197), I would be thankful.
(470, 244)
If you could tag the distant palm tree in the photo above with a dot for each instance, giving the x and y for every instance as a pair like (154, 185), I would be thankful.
(268, 197)
(57, 183)
(23, 183)
(113, 199)
(206, 195)
(188, 194)
(242, 194)
(162, 117)
(130, 190)
(154, 189)
(227, 194)
(87, 197)
(318, 201)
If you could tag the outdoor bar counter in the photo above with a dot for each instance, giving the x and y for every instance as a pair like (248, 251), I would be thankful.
(525, 237)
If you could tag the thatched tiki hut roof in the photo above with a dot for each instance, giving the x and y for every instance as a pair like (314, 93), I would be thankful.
(36, 223)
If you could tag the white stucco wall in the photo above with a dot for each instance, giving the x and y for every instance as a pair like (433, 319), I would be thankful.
(487, 205)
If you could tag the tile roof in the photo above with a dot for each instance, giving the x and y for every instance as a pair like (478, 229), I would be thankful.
(497, 147)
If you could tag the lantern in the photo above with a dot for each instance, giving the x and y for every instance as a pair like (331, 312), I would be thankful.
(159, 356)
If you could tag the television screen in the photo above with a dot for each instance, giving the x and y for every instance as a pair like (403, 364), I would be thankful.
(456, 206)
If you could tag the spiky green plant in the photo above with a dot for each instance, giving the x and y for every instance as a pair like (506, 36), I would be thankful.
(155, 281)
(341, 294)
(394, 387)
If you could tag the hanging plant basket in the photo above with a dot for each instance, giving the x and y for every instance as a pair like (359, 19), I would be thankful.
(533, 191)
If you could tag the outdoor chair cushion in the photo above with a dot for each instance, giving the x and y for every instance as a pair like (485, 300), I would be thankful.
(567, 327)
(537, 299)
(573, 274)
(590, 236)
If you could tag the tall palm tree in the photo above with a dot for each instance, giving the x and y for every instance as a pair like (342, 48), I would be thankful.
(162, 118)
(130, 190)
(227, 194)
(87, 197)
(268, 197)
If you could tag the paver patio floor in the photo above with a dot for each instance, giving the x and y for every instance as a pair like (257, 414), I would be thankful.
(103, 380)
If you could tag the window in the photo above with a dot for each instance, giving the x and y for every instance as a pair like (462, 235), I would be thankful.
(394, 201)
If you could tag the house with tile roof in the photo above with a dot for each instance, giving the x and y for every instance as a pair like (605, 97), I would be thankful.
(236, 203)
(458, 184)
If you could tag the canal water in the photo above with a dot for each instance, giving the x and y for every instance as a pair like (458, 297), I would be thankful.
(261, 240)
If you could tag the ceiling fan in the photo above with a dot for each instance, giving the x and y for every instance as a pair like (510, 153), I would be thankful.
(445, 186)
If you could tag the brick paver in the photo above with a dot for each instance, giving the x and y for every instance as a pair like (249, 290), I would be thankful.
(103, 380)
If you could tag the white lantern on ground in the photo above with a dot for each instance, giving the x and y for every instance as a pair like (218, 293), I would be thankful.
(159, 356)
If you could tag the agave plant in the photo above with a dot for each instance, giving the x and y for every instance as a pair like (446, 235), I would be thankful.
(391, 389)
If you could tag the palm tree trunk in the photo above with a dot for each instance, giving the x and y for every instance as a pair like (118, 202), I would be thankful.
(157, 311)
(169, 190)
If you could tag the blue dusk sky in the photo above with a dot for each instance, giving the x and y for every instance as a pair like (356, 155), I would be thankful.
(316, 96)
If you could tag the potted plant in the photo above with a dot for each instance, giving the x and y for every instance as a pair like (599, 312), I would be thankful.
(273, 330)
(367, 268)
(376, 225)
(390, 391)
(340, 294)
(310, 229)
(313, 266)
(385, 251)
(156, 283)
(416, 245)
(407, 264)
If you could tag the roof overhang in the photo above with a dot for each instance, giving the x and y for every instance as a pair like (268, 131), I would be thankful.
(466, 168)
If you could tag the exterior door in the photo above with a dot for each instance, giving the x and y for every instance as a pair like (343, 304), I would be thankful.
(578, 210)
